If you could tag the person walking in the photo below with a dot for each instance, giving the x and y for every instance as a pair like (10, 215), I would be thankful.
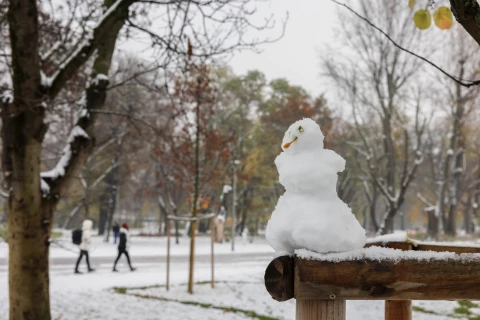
(123, 246)
(116, 231)
(85, 245)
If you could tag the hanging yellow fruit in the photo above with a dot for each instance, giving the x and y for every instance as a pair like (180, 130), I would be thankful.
(411, 3)
(422, 19)
(443, 18)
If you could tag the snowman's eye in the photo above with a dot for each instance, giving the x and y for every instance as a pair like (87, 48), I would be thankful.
(300, 129)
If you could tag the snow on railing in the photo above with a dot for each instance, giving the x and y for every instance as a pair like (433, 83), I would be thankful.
(379, 254)
(387, 269)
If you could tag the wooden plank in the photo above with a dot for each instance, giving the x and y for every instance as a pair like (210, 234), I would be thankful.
(279, 278)
(405, 279)
(320, 309)
(398, 310)
(442, 248)
(424, 247)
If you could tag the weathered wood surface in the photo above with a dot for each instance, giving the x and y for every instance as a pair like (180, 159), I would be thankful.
(398, 310)
(424, 247)
(279, 278)
(392, 245)
(320, 310)
(442, 248)
(388, 280)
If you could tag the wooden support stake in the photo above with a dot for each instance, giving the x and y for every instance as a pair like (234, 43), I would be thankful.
(320, 309)
(398, 310)
(168, 255)
(212, 242)
(193, 231)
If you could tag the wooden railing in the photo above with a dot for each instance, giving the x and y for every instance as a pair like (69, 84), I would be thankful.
(321, 287)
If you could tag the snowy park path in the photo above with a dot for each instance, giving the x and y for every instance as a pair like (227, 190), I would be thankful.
(141, 295)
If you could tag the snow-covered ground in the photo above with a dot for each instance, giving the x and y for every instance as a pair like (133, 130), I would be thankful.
(239, 291)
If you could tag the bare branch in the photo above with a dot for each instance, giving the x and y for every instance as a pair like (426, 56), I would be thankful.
(462, 82)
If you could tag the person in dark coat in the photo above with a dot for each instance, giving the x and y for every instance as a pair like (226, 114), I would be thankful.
(116, 231)
(123, 246)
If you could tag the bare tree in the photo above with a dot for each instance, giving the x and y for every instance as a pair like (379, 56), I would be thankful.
(39, 73)
(377, 79)
(447, 157)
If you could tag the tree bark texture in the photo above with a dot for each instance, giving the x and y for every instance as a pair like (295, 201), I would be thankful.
(467, 13)
(30, 206)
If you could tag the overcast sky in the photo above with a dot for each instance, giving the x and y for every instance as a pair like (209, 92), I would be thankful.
(295, 56)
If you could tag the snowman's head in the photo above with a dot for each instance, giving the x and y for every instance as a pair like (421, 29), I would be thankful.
(303, 135)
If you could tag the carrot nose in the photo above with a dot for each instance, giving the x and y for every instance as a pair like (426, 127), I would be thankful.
(287, 145)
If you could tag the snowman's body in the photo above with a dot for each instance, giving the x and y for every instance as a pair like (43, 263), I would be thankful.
(310, 215)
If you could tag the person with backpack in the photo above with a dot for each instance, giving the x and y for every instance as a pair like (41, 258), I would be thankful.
(86, 240)
(116, 231)
(123, 245)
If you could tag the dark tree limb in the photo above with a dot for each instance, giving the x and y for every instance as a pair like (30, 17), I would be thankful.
(118, 12)
(467, 13)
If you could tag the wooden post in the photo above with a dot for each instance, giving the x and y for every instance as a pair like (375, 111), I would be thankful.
(193, 230)
(168, 255)
(320, 309)
(212, 242)
(398, 310)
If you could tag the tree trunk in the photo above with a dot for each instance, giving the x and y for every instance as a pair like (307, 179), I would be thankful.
(162, 218)
(104, 209)
(365, 218)
(432, 228)
(373, 207)
(389, 224)
(110, 216)
(177, 233)
(467, 221)
(23, 130)
(28, 236)
(5, 210)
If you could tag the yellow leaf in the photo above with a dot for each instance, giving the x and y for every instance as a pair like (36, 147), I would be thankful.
(422, 19)
(411, 3)
(443, 18)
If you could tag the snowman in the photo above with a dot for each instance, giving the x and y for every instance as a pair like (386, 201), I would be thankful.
(309, 215)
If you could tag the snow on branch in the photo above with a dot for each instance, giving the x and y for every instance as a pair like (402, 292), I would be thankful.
(424, 200)
(60, 168)
(6, 97)
(86, 48)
